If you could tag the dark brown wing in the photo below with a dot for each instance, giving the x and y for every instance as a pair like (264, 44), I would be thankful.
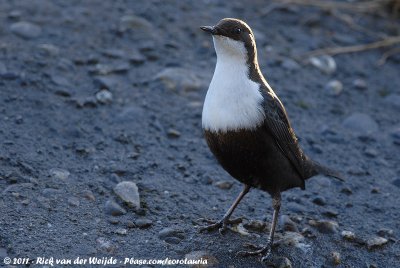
(277, 123)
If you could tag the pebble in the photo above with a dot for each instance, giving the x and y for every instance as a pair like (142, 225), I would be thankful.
(179, 79)
(385, 232)
(105, 244)
(173, 133)
(88, 195)
(255, 225)
(395, 134)
(105, 82)
(106, 69)
(112, 208)
(129, 193)
(331, 213)
(376, 242)
(49, 49)
(325, 226)
(26, 30)
(290, 65)
(360, 124)
(319, 200)
(281, 262)
(370, 152)
(334, 258)
(346, 190)
(334, 87)
(143, 223)
(172, 235)
(325, 63)
(104, 96)
(348, 235)
(293, 239)
(360, 84)
(224, 185)
(396, 182)
(393, 100)
(3, 69)
(60, 80)
(59, 173)
(140, 26)
(121, 231)
(73, 201)
(287, 224)
(201, 254)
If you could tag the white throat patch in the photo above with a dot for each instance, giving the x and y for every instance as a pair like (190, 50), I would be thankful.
(233, 101)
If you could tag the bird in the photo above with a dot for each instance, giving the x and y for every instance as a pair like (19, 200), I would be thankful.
(247, 128)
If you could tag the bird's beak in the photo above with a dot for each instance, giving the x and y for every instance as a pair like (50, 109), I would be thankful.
(209, 29)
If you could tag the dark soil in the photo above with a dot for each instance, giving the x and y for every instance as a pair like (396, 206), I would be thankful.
(149, 132)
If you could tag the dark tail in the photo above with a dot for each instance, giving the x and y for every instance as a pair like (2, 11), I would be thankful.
(320, 169)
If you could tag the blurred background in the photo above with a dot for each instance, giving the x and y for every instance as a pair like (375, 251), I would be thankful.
(101, 147)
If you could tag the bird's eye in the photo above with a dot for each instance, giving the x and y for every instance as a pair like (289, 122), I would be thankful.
(237, 30)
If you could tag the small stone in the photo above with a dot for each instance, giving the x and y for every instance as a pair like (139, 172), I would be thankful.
(121, 231)
(331, 213)
(334, 87)
(348, 235)
(201, 255)
(104, 96)
(370, 152)
(280, 262)
(143, 223)
(26, 30)
(105, 244)
(360, 124)
(88, 195)
(255, 225)
(396, 182)
(224, 185)
(287, 224)
(60, 81)
(59, 173)
(51, 192)
(172, 235)
(376, 242)
(179, 79)
(290, 65)
(3, 69)
(105, 82)
(393, 100)
(335, 258)
(325, 63)
(129, 193)
(319, 200)
(374, 190)
(73, 201)
(324, 226)
(140, 26)
(173, 133)
(49, 49)
(395, 134)
(112, 208)
(106, 69)
(346, 190)
(385, 232)
(360, 84)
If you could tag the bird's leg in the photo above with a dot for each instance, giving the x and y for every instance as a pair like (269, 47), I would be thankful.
(266, 250)
(222, 224)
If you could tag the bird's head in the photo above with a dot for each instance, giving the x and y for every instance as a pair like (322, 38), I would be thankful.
(232, 37)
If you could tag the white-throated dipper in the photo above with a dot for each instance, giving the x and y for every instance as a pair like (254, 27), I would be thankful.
(246, 125)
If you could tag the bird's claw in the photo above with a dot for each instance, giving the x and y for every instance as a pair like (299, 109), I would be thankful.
(257, 250)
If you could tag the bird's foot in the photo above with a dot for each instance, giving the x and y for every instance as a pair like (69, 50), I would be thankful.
(257, 250)
(221, 225)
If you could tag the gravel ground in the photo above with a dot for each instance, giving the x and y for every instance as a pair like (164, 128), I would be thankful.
(102, 153)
